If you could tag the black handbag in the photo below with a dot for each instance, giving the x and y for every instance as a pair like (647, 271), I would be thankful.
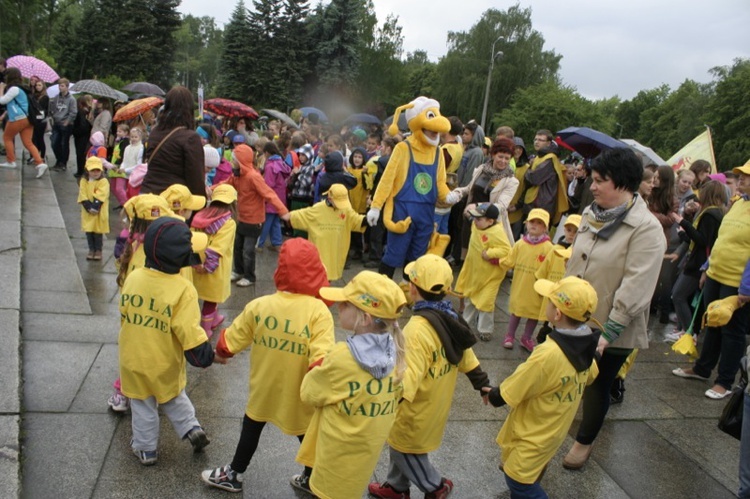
(730, 421)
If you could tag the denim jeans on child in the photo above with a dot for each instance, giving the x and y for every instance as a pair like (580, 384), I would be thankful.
(272, 229)
(520, 490)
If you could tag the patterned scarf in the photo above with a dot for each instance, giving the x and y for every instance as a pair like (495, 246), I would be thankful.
(494, 175)
(443, 306)
(599, 217)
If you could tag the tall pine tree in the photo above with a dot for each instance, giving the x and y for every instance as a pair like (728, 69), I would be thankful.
(235, 69)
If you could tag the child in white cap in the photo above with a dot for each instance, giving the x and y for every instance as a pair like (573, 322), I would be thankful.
(545, 391)
(355, 389)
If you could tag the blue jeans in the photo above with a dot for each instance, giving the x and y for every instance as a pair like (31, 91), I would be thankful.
(520, 490)
(60, 140)
(744, 492)
(272, 228)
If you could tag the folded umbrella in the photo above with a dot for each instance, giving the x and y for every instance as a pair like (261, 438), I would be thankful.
(31, 66)
(588, 142)
(136, 108)
(230, 108)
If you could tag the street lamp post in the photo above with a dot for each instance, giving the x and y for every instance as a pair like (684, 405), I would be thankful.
(493, 56)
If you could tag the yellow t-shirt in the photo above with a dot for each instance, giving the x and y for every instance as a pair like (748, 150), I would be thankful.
(90, 190)
(525, 259)
(138, 261)
(288, 332)
(328, 229)
(358, 194)
(354, 414)
(731, 250)
(544, 393)
(216, 287)
(479, 279)
(456, 152)
(159, 320)
(429, 383)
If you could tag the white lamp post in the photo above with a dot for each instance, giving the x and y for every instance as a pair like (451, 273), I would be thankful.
(494, 55)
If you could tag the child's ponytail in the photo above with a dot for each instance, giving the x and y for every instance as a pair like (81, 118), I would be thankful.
(400, 341)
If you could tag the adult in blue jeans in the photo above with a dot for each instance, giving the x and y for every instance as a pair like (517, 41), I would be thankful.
(728, 274)
(63, 109)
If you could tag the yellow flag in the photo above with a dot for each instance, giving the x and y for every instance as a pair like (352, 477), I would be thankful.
(700, 147)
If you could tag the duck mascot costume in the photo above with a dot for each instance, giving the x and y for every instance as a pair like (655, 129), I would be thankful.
(413, 181)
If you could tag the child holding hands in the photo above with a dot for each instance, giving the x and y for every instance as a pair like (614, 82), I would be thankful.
(93, 196)
(355, 389)
(545, 391)
(481, 277)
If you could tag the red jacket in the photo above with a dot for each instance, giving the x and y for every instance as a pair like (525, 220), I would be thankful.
(252, 190)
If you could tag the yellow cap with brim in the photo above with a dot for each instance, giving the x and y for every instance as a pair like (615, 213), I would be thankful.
(742, 169)
(339, 196)
(94, 163)
(370, 292)
(430, 273)
(574, 220)
(573, 296)
(179, 197)
(224, 193)
(148, 207)
(719, 312)
(539, 214)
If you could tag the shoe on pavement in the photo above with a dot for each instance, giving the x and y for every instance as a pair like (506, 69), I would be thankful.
(386, 491)
(301, 482)
(577, 456)
(234, 276)
(90, 255)
(444, 491)
(223, 478)
(673, 336)
(146, 457)
(40, 169)
(527, 344)
(97, 255)
(244, 282)
(508, 342)
(713, 394)
(617, 392)
(6, 164)
(118, 402)
(198, 438)
(218, 319)
(682, 373)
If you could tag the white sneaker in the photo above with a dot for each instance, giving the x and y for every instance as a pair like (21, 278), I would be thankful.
(234, 276)
(40, 169)
(118, 402)
(673, 336)
(243, 283)
(5, 164)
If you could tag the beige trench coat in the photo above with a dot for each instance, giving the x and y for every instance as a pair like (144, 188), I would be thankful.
(623, 270)
(500, 196)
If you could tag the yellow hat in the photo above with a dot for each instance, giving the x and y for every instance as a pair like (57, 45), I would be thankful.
(370, 292)
(742, 169)
(539, 214)
(179, 197)
(574, 220)
(339, 196)
(564, 253)
(719, 312)
(198, 241)
(224, 193)
(148, 207)
(573, 296)
(94, 163)
(430, 273)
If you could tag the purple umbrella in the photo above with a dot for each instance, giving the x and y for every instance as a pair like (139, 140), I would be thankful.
(31, 66)
(588, 142)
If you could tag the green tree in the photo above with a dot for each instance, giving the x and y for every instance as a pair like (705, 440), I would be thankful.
(462, 72)
(729, 114)
(420, 74)
(628, 113)
(235, 69)
(339, 46)
(199, 45)
(382, 78)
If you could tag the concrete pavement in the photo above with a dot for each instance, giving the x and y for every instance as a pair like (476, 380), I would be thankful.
(662, 442)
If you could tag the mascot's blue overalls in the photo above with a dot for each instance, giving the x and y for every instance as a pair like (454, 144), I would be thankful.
(416, 199)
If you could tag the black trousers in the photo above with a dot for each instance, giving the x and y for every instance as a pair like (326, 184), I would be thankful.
(248, 444)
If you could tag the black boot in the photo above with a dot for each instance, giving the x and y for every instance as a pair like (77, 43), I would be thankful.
(386, 270)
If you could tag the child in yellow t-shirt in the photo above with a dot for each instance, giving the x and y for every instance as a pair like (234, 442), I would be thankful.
(160, 329)
(481, 277)
(525, 258)
(328, 224)
(212, 278)
(545, 391)
(287, 331)
(355, 390)
(553, 266)
(358, 195)
(93, 196)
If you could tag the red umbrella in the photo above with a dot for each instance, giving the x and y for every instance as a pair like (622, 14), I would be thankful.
(230, 108)
(136, 108)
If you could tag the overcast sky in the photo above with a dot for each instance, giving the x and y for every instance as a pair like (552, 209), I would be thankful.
(609, 47)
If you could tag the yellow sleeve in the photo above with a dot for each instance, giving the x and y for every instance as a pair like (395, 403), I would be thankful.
(223, 240)
(304, 218)
(528, 381)
(321, 335)
(469, 361)
(319, 386)
(101, 190)
(417, 361)
(240, 334)
(441, 177)
(499, 247)
(355, 221)
(186, 319)
(83, 194)
(394, 175)
(510, 261)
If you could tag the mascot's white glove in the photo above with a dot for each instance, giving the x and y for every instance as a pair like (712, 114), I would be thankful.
(372, 216)
(453, 197)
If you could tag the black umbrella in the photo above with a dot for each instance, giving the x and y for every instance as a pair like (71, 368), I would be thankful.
(281, 116)
(403, 125)
(143, 87)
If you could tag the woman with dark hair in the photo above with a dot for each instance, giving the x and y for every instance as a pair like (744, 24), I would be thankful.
(663, 202)
(102, 118)
(82, 131)
(701, 168)
(174, 153)
(17, 104)
(493, 182)
(39, 92)
(618, 249)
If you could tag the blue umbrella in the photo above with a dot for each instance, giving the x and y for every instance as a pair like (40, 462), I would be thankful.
(363, 118)
(588, 142)
(306, 111)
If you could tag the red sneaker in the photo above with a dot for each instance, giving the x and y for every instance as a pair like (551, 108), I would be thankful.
(441, 493)
(528, 344)
(386, 491)
(218, 319)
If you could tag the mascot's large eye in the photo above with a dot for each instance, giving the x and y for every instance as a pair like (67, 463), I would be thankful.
(430, 115)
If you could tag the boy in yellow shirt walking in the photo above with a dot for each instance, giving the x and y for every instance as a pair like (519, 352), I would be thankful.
(545, 391)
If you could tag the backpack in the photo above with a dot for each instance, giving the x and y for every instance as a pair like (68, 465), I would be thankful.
(35, 114)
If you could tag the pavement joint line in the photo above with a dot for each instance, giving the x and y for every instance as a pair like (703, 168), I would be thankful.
(88, 371)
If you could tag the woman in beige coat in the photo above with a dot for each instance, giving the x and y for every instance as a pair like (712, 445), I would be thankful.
(493, 182)
(618, 249)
